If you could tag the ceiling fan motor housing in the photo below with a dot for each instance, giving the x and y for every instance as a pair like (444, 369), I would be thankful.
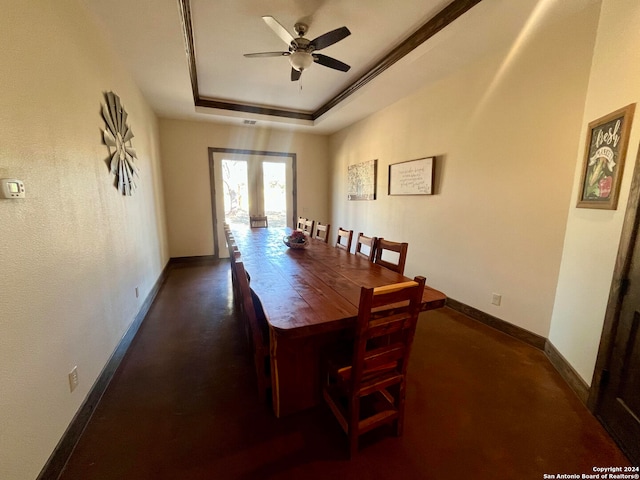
(302, 44)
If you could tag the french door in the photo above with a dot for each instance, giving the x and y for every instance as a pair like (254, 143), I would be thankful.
(255, 188)
(251, 183)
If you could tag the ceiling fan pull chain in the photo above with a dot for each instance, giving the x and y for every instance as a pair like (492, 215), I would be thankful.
(300, 85)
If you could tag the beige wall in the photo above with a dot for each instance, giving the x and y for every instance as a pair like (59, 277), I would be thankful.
(505, 131)
(592, 237)
(187, 181)
(73, 251)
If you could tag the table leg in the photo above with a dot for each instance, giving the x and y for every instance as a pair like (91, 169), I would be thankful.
(296, 371)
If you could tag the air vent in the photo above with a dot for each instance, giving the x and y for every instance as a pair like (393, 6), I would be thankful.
(249, 122)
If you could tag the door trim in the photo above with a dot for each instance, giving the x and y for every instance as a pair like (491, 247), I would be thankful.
(616, 294)
(239, 151)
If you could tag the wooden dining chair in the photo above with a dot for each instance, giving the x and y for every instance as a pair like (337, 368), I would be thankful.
(308, 227)
(369, 242)
(234, 255)
(399, 252)
(300, 224)
(345, 237)
(257, 329)
(232, 246)
(258, 221)
(366, 388)
(321, 232)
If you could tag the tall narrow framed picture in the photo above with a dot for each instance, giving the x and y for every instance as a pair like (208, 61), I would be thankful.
(605, 152)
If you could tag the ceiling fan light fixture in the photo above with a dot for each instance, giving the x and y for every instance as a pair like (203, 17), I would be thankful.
(300, 60)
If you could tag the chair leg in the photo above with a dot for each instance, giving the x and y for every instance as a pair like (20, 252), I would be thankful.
(354, 421)
(353, 444)
(259, 364)
(401, 404)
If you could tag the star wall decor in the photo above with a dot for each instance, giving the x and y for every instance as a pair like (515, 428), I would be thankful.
(117, 136)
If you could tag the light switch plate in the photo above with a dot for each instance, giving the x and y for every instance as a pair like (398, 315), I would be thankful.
(496, 299)
(11, 188)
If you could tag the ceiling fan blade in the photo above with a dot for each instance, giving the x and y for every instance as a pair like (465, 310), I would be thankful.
(267, 54)
(295, 75)
(279, 30)
(330, 62)
(329, 38)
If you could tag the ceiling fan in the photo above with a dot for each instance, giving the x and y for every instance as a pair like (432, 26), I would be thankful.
(301, 51)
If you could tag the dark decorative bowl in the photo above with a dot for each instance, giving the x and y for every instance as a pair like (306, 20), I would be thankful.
(295, 245)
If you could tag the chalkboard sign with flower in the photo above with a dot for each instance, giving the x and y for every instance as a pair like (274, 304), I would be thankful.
(605, 151)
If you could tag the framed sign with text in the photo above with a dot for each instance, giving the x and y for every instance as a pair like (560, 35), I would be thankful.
(605, 151)
(414, 177)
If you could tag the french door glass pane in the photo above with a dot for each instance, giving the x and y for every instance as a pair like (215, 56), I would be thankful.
(275, 193)
(236, 192)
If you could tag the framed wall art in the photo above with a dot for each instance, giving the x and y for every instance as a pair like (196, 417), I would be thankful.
(361, 180)
(605, 151)
(414, 177)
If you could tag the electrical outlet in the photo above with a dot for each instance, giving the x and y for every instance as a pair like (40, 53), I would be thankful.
(73, 378)
(137, 292)
(496, 299)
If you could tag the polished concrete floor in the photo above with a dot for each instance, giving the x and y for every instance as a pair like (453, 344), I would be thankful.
(183, 405)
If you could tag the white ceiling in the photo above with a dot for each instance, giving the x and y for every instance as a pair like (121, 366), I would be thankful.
(148, 37)
(375, 29)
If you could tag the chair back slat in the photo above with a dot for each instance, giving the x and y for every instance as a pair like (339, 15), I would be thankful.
(344, 239)
(387, 327)
(321, 232)
(400, 249)
(308, 227)
(258, 221)
(379, 358)
(369, 242)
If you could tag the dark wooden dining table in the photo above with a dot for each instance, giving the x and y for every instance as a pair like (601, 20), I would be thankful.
(310, 297)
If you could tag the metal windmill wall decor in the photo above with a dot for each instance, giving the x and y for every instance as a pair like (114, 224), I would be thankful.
(117, 136)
